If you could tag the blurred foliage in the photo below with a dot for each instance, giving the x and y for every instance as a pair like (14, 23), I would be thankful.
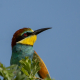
(26, 71)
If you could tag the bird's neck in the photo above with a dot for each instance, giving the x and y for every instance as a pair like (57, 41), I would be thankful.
(21, 51)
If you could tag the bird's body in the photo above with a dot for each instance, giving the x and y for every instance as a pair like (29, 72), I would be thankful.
(20, 51)
(22, 46)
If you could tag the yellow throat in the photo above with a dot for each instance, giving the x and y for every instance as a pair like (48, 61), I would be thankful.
(28, 40)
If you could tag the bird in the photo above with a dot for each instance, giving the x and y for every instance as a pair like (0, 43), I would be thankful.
(22, 46)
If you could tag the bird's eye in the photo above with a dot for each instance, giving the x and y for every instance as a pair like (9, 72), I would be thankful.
(25, 34)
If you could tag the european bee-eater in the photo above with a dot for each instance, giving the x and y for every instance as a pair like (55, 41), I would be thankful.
(22, 46)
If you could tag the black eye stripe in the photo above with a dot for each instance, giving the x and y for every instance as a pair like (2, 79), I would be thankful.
(19, 38)
(23, 36)
(29, 33)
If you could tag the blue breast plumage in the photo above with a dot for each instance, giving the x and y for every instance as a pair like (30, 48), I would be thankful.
(20, 51)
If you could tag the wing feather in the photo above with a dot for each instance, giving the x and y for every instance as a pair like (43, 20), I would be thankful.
(43, 72)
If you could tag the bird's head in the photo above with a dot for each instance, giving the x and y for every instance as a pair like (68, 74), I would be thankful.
(26, 36)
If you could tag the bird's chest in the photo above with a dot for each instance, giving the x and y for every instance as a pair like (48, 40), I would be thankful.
(20, 52)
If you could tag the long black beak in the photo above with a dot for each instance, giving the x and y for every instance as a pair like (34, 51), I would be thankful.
(36, 32)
